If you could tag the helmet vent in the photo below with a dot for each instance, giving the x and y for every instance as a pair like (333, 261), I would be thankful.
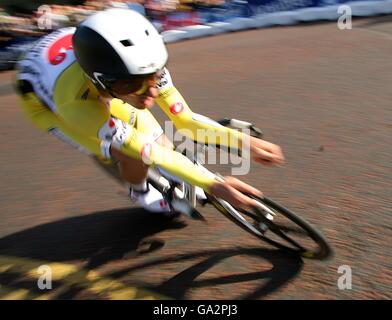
(147, 33)
(126, 43)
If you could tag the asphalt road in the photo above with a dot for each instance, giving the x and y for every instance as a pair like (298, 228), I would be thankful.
(323, 94)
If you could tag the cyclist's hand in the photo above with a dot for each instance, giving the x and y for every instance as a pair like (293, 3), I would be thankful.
(264, 152)
(232, 190)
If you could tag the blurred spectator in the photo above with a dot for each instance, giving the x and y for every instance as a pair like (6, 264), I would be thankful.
(119, 4)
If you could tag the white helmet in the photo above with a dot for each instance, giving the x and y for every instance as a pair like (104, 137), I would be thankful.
(118, 44)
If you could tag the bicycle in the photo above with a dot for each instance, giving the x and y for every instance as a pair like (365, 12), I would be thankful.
(267, 222)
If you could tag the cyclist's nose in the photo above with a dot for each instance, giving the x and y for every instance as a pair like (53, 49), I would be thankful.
(152, 87)
(152, 91)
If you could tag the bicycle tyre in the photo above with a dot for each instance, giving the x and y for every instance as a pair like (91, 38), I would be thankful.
(324, 249)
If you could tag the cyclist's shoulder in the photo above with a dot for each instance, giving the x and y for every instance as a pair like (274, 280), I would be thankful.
(86, 115)
(73, 85)
(74, 93)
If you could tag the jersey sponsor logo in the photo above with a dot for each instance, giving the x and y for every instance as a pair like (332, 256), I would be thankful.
(166, 93)
(132, 118)
(121, 133)
(176, 108)
(164, 80)
(108, 130)
(58, 50)
(45, 63)
(115, 131)
(46, 41)
(112, 124)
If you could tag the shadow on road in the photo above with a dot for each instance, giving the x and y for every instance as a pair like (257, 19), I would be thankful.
(97, 238)
(102, 237)
(285, 267)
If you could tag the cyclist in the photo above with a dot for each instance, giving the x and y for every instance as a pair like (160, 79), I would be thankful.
(93, 86)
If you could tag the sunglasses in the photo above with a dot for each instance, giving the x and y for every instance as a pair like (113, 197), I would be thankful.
(136, 85)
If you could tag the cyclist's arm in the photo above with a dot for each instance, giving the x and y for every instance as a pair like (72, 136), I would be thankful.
(39, 114)
(195, 126)
(94, 121)
(46, 120)
(139, 146)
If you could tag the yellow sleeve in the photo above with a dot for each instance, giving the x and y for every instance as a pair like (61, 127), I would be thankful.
(140, 147)
(195, 126)
(46, 120)
(85, 121)
(81, 121)
(40, 115)
(142, 119)
(93, 120)
(123, 111)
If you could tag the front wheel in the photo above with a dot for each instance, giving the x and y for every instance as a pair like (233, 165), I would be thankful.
(277, 225)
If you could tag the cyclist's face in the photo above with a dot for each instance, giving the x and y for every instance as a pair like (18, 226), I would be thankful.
(140, 92)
